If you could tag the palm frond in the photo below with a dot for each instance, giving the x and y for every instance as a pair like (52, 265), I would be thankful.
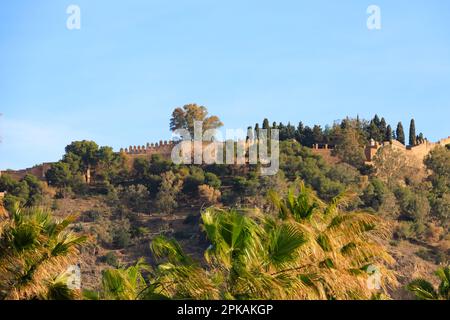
(422, 289)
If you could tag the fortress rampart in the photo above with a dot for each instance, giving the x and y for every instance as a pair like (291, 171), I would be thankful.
(162, 148)
(419, 152)
(38, 171)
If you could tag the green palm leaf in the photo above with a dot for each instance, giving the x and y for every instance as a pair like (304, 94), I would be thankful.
(423, 289)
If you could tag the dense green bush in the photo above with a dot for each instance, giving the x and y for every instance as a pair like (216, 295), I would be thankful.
(212, 180)
(26, 192)
(111, 259)
(121, 238)
(135, 197)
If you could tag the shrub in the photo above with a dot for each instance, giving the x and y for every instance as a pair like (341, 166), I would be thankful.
(208, 195)
(404, 230)
(192, 181)
(111, 259)
(212, 180)
(135, 197)
(121, 238)
(413, 207)
(141, 231)
(192, 219)
(166, 197)
(91, 216)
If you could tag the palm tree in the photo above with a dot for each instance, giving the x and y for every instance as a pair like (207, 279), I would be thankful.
(342, 247)
(121, 284)
(35, 251)
(424, 290)
(306, 250)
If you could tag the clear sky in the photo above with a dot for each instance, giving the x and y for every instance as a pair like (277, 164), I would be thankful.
(118, 78)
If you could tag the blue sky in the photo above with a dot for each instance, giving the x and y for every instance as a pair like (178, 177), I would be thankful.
(117, 80)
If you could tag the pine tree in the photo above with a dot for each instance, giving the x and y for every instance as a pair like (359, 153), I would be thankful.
(412, 134)
(308, 139)
(317, 134)
(290, 131)
(400, 133)
(299, 132)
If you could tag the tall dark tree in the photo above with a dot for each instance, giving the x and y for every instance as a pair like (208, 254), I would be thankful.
(256, 131)
(374, 131)
(287, 132)
(274, 125)
(420, 138)
(308, 137)
(412, 133)
(383, 128)
(376, 120)
(317, 134)
(299, 133)
(388, 136)
(266, 126)
(250, 133)
(282, 129)
(400, 133)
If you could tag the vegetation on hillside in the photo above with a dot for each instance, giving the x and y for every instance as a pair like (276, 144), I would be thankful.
(35, 252)
(312, 231)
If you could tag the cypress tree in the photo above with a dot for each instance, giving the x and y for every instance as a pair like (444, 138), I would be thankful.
(376, 121)
(421, 138)
(250, 134)
(400, 133)
(374, 131)
(412, 134)
(266, 126)
(388, 136)
(383, 129)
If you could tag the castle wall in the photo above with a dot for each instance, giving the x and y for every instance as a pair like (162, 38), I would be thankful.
(418, 152)
(38, 171)
(163, 147)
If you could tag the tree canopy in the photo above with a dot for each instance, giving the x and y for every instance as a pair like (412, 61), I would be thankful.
(184, 118)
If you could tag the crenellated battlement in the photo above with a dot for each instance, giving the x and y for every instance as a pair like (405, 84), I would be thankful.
(161, 147)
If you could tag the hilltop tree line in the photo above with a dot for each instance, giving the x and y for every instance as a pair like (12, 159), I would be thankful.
(376, 129)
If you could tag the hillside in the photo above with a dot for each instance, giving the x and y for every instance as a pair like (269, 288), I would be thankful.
(141, 207)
